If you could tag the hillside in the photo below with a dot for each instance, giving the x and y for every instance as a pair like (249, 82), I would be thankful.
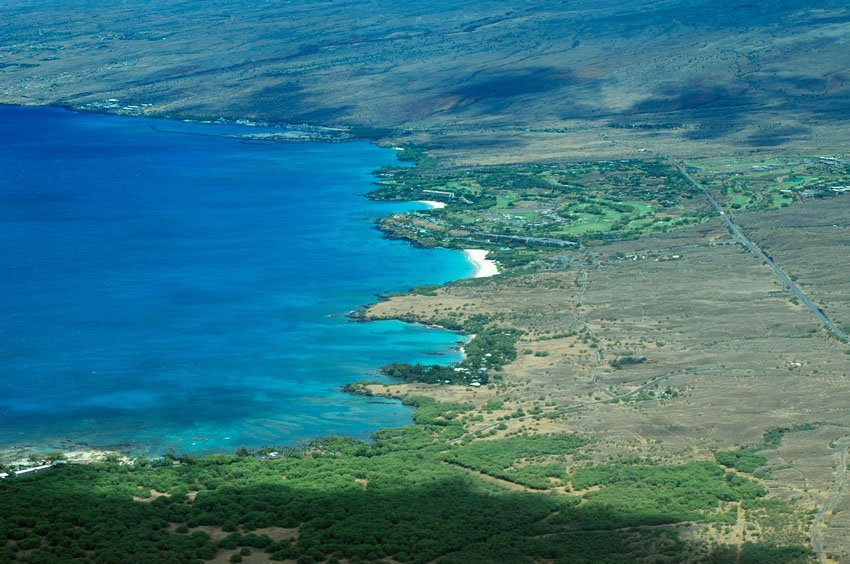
(506, 80)
(660, 370)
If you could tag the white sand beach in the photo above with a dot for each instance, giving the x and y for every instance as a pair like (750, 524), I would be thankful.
(483, 266)
(462, 348)
(433, 204)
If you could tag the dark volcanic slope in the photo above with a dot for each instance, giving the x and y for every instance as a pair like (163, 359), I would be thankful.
(762, 73)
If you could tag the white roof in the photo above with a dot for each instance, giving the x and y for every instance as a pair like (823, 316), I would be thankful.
(29, 470)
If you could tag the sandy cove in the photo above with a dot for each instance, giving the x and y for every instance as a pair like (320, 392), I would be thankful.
(478, 257)
(483, 266)
(432, 204)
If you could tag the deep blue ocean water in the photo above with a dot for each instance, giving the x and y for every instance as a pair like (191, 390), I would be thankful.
(165, 291)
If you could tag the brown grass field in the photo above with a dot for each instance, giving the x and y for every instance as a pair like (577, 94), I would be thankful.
(743, 359)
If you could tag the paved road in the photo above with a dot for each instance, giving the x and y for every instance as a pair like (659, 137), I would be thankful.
(753, 248)
(539, 240)
(840, 476)
(663, 377)
(605, 390)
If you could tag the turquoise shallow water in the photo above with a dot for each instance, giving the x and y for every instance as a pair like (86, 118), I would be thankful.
(165, 291)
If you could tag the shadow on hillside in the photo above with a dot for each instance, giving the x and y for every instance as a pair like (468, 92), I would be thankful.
(76, 513)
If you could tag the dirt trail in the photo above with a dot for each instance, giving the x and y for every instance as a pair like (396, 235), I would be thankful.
(840, 475)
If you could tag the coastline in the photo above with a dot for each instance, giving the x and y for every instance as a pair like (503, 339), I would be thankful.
(18, 458)
(432, 204)
(484, 267)
(84, 454)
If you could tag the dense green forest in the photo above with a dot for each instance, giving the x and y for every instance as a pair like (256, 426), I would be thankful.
(416, 494)
(490, 350)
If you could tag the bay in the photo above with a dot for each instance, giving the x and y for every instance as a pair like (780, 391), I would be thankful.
(164, 287)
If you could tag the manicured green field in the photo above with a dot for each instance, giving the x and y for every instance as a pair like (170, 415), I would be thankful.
(532, 205)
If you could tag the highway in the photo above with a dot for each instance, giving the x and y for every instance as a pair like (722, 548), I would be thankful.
(753, 248)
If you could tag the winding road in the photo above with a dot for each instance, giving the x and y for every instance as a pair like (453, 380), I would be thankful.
(753, 248)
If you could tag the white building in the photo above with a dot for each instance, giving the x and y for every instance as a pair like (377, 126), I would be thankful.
(32, 471)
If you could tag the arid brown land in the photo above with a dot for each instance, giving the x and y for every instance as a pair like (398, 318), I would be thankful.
(667, 347)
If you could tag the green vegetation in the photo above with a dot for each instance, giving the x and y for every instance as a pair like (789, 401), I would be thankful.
(493, 405)
(431, 412)
(780, 526)
(396, 498)
(738, 79)
(371, 133)
(765, 184)
(429, 290)
(538, 206)
(742, 460)
(417, 155)
(688, 492)
(490, 350)
(533, 461)
(627, 361)
(773, 437)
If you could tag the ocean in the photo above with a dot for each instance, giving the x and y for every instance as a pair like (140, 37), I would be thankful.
(164, 288)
